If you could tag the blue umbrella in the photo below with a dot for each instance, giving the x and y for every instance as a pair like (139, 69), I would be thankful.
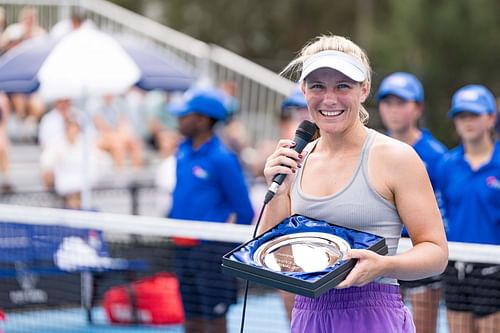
(159, 70)
(19, 68)
(86, 63)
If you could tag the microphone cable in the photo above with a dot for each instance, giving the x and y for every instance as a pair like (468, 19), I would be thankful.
(303, 135)
(246, 284)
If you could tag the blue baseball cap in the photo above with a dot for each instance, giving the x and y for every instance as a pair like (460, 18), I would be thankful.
(208, 102)
(295, 99)
(472, 98)
(403, 85)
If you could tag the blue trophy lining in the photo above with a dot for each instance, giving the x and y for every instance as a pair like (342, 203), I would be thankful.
(297, 224)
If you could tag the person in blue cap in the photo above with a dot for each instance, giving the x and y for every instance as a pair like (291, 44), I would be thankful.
(293, 110)
(209, 187)
(469, 188)
(401, 104)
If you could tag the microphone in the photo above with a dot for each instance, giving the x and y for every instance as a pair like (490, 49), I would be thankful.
(303, 135)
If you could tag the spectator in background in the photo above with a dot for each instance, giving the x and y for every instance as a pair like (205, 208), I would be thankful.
(135, 105)
(230, 89)
(26, 28)
(401, 104)
(2, 21)
(468, 181)
(5, 184)
(27, 109)
(63, 164)
(77, 20)
(233, 133)
(293, 112)
(209, 187)
(52, 129)
(165, 173)
(147, 114)
(116, 135)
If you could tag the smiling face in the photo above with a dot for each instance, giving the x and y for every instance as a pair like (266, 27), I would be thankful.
(334, 99)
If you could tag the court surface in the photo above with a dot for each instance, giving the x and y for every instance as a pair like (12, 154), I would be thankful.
(265, 313)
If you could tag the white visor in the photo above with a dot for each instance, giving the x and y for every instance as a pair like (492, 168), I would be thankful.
(343, 62)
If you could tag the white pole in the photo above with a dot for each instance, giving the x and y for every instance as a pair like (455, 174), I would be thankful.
(86, 193)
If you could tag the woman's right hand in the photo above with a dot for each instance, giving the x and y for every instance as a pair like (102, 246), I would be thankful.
(283, 160)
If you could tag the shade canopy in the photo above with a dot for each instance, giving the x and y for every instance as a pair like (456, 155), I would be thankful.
(90, 62)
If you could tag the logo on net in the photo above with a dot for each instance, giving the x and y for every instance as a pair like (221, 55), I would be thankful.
(28, 293)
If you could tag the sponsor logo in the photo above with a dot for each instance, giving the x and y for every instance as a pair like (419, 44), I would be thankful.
(493, 182)
(28, 293)
(199, 172)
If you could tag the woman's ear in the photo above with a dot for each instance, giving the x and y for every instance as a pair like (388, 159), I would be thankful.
(365, 91)
(303, 87)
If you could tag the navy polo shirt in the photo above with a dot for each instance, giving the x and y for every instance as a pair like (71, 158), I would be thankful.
(210, 184)
(470, 199)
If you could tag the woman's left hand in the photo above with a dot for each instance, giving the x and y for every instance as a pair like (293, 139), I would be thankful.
(368, 267)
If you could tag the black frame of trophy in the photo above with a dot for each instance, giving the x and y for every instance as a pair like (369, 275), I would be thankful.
(292, 284)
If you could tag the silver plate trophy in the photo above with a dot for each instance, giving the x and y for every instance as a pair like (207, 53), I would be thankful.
(301, 252)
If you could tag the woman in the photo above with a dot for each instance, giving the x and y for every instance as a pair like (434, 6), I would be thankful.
(401, 105)
(355, 177)
(469, 183)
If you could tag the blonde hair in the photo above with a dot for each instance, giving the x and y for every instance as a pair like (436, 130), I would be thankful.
(332, 43)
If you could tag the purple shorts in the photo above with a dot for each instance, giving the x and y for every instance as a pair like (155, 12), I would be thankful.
(374, 308)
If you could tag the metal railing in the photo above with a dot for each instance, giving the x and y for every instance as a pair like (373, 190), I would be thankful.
(260, 91)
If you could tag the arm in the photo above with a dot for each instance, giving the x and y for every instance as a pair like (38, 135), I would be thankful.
(235, 189)
(286, 161)
(402, 178)
(418, 209)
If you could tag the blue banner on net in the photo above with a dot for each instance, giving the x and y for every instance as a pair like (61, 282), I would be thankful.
(302, 224)
(31, 242)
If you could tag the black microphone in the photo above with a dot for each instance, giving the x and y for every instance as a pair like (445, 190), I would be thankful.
(303, 135)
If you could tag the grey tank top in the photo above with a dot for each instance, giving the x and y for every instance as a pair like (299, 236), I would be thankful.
(357, 205)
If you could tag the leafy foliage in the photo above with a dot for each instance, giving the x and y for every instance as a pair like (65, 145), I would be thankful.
(446, 43)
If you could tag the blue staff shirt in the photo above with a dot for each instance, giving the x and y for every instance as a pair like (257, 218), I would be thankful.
(430, 150)
(210, 184)
(470, 199)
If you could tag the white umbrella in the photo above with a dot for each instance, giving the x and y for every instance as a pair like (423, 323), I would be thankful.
(85, 63)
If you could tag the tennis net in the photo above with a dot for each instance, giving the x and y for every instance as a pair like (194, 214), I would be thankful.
(72, 271)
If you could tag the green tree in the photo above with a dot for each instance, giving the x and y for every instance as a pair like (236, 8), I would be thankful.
(446, 43)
